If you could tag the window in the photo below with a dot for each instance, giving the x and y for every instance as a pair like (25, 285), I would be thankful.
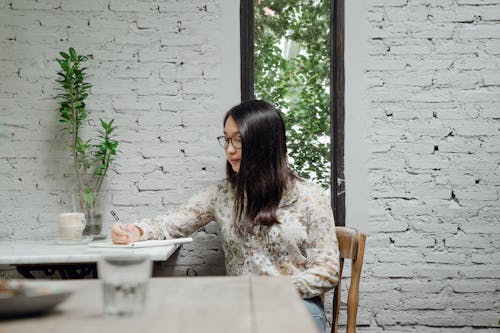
(269, 46)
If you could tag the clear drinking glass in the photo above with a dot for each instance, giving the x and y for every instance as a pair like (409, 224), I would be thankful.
(124, 283)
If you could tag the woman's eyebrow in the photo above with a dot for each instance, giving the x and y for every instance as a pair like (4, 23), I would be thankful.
(237, 132)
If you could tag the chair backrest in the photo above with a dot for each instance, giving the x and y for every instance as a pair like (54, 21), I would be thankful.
(351, 246)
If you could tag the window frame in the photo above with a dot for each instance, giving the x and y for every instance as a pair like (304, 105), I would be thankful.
(337, 92)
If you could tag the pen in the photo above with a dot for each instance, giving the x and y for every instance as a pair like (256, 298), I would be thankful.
(117, 219)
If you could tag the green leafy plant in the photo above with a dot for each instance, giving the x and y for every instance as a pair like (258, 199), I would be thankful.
(292, 70)
(92, 158)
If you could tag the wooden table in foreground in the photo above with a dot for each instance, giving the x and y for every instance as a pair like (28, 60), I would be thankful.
(187, 305)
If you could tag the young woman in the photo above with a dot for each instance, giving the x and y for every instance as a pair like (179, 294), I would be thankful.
(271, 221)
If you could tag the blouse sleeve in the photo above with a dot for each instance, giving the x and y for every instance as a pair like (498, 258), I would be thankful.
(183, 221)
(322, 265)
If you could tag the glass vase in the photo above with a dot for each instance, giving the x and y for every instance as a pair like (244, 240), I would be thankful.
(94, 206)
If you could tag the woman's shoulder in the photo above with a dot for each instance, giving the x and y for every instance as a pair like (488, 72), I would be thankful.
(221, 186)
(308, 190)
(307, 185)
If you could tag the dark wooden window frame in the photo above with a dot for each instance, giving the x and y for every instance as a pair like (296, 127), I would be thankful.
(337, 85)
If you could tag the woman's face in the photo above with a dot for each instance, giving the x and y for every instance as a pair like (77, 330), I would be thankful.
(232, 133)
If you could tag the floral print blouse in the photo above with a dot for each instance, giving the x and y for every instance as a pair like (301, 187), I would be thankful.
(303, 245)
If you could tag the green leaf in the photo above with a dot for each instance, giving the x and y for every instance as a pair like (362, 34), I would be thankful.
(72, 52)
(64, 55)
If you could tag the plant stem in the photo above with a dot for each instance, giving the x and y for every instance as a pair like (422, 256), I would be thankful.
(101, 178)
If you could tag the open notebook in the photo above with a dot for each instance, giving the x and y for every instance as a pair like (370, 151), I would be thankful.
(148, 243)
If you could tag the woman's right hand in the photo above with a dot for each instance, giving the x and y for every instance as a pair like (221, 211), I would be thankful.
(119, 236)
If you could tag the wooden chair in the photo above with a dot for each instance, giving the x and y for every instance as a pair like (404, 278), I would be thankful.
(351, 246)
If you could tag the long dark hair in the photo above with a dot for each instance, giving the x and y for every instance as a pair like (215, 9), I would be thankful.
(264, 175)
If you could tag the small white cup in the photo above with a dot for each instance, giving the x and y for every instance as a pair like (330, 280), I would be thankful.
(71, 226)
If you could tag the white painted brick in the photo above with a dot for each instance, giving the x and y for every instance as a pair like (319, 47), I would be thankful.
(492, 46)
(479, 128)
(473, 162)
(426, 63)
(445, 258)
(132, 6)
(468, 241)
(124, 54)
(456, 179)
(412, 239)
(430, 317)
(419, 48)
(490, 77)
(489, 110)
(414, 78)
(459, 79)
(485, 258)
(88, 5)
(475, 286)
(392, 271)
(458, 145)
(434, 3)
(466, 13)
(57, 20)
(425, 302)
(477, 2)
(155, 53)
(458, 47)
(434, 227)
(380, 161)
(479, 32)
(433, 95)
(457, 113)
(387, 3)
(429, 162)
(379, 63)
(164, 22)
(419, 148)
(131, 102)
(33, 4)
(481, 272)
(476, 62)
(394, 256)
(18, 20)
(478, 193)
(475, 302)
(198, 7)
(481, 227)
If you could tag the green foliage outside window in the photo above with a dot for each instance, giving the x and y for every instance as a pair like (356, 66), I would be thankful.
(292, 70)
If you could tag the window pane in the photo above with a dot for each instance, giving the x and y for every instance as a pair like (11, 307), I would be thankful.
(292, 70)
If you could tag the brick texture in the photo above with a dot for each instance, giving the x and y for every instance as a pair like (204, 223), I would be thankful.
(434, 128)
(155, 67)
(432, 261)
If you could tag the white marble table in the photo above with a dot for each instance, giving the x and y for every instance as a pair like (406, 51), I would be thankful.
(29, 254)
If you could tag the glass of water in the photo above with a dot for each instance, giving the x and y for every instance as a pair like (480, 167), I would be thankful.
(124, 282)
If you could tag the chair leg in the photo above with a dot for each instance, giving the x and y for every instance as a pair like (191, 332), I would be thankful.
(353, 297)
(336, 300)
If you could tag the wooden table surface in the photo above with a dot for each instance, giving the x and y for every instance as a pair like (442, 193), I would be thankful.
(194, 304)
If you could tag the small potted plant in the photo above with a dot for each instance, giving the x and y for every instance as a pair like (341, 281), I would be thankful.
(92, 159)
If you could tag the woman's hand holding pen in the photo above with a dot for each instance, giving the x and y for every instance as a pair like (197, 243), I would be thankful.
(129, 235)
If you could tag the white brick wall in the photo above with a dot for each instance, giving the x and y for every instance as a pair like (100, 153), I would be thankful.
(434, 130)
(432, 94)
(158, 68)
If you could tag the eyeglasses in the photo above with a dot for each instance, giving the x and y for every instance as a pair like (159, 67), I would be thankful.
(224, 142)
